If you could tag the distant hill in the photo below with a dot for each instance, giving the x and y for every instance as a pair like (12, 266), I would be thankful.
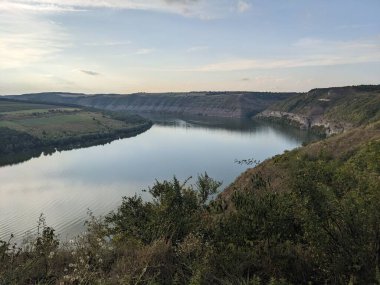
(214, 104)
(333, 109)
(327, 110)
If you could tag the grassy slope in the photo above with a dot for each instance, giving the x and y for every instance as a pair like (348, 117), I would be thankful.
(49, 123)
(354, 105)
(278, 169)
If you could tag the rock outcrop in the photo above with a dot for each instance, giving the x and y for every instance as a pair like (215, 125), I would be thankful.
(305, 122)
(328, 110)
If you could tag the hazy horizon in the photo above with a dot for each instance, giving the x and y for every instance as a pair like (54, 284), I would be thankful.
(155, 46)
(192, 91)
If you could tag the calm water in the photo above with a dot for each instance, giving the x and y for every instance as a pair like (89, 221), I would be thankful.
(66, 184)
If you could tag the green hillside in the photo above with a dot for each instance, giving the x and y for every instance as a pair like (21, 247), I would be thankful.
(341, 108)
(24, 126)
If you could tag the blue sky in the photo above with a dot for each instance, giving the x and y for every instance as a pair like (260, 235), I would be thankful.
(125, 46)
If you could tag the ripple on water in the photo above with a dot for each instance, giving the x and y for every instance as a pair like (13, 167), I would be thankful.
(65, 185)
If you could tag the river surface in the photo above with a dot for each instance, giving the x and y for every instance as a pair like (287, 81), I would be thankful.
(65, 185)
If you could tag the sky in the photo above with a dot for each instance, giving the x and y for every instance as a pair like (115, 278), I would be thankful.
(127, 46)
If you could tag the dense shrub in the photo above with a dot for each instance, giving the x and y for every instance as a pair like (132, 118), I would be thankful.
(324, 228)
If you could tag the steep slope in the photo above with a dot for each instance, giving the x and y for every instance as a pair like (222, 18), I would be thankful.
(278, 170)
(333, 110)
(215, 104)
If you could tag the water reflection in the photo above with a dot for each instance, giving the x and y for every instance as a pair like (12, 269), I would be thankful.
(64, 185)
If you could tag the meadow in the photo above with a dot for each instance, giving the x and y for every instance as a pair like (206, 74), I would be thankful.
(25, 126)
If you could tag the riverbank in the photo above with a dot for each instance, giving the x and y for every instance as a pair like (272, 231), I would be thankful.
(328, 110)
(307, 216)
(27, 128)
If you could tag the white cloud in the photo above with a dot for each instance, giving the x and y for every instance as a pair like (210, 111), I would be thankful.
(31, 6)
(243, 6)
(145, 51)
(26, 39)
(193, 8)
(108, 43)
(197, 48)
(310, 52)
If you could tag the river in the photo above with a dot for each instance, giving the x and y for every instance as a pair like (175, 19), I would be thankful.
(65, 185)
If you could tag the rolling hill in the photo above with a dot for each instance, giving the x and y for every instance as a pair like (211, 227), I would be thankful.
(213, 104)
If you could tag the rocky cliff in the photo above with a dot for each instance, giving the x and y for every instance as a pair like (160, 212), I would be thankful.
(331, 110)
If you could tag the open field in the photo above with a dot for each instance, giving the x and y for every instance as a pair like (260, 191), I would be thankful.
(12, 106)
(50, 124)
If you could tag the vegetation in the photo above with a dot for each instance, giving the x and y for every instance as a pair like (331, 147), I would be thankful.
(214, 104)
(26, 127)
(354, 105)
(309, 216)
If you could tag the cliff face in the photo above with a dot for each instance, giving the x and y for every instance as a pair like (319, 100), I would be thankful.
(215, 104)
(306, 122)
(334, 110)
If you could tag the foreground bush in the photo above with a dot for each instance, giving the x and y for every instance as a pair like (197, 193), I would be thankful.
(322, 228)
